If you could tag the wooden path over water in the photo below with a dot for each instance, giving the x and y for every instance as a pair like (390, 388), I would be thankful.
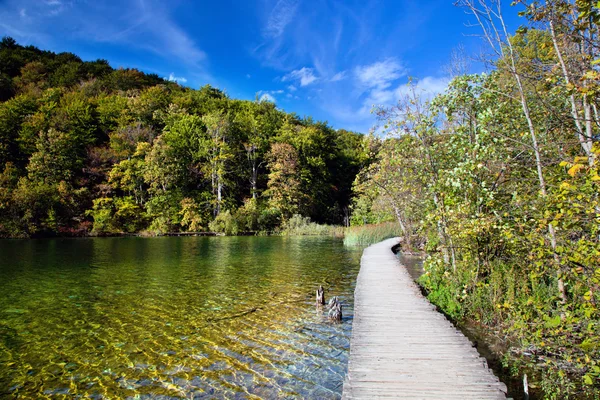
(401, 347)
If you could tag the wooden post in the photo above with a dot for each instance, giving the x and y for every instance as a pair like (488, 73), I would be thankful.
(335, 309)
(320, 296)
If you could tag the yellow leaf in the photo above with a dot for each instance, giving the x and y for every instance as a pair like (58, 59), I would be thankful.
(575, 169)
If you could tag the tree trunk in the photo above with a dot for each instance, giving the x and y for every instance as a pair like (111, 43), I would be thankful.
(254, 179)
(219, 194)
(584, 139)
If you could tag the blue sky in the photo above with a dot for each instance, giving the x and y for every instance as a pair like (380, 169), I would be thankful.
(330, 59)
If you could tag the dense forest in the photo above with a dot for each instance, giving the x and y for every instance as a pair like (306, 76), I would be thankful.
(498, 179)
(88, 149)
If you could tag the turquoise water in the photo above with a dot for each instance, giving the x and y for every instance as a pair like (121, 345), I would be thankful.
(185, 317)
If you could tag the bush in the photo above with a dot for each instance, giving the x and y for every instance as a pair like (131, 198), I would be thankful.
(117, 215)
(224, 223)
(269, 219)
(248, 215)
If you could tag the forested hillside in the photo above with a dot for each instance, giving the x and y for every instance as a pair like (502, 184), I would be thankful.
(498, 178)
(88, 149)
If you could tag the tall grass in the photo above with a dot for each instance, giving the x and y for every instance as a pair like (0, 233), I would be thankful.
(303, 226)
(366, 235)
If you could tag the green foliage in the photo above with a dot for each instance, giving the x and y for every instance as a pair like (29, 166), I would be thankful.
(284, 187)
(132, 152)
(191, 219)
(249, 216)
(224, 223)
(120, 215)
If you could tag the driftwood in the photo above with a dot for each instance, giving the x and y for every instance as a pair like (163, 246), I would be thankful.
(335, 309)
(320, 296)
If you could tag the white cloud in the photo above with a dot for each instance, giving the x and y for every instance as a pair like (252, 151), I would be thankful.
(248, 76)
(304, 75)
(426, 88)
(267, 97)
(54, 7)
(281, 15)
(380, 74)
(340, 76)
(292, 88)
(23, 13)
(174, 78)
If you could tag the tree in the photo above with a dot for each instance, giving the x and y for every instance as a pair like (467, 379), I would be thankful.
(257, 122)
(284, 188)
(217, 152)
(491, 20)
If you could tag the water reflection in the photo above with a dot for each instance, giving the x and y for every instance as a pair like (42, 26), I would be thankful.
(173, 317)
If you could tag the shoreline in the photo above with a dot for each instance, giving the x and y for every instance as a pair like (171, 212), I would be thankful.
(138, 234)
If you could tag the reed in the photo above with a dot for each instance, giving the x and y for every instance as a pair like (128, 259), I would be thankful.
(303, 226)
(366, 235)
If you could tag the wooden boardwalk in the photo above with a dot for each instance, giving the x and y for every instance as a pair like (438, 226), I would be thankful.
(401, 347)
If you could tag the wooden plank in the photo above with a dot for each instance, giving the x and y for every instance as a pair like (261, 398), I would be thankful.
(401, 347)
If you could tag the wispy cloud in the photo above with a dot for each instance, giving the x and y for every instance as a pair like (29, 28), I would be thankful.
(142, 24)
(292, 88)
(280, 17)
(380, 74)
(340, 76)
(305, 76)
(55, 7)
(148, 25)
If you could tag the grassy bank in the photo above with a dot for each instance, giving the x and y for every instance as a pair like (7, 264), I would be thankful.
(366, 235)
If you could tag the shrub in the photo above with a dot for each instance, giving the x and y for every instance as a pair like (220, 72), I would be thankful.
(224, 223)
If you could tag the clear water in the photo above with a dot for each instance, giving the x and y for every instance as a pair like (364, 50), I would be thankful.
(184, 317)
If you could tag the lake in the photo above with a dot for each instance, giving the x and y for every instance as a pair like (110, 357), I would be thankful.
(174, 317)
